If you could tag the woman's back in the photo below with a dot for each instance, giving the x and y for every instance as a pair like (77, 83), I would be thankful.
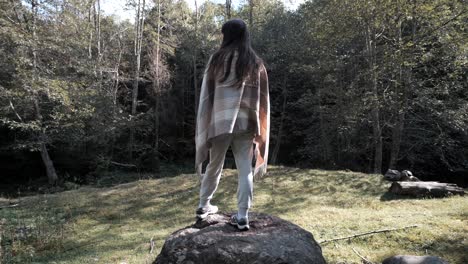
(234, 100)
(234, 95)
(234, 105)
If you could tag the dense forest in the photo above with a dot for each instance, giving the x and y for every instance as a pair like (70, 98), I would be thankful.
(354, 84)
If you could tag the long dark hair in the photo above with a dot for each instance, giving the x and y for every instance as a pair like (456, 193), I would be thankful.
(235, 38)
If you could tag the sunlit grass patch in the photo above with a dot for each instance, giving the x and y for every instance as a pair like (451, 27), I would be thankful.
(115, 223)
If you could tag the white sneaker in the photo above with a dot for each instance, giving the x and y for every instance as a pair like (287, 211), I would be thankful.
(241, 223)
(203, 212)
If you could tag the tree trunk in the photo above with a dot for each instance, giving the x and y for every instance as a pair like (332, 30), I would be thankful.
(49, 165)
(114, 98)
(324, 140)
(403, 94)
(182, 118)
(377, 132)
(228, 9)
(375, 112)
(341, 138)
(274, 155)
(396, 137)
(195, 80)
(90, 43)
(157, 93)
(117, 76)
(251, 7)
(139, 24)
(98, 44)
(399, 113)
(435, 189)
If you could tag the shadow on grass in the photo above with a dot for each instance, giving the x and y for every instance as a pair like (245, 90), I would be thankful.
(388, 196)
(450, 246)
(166, 170)
(128, 213)
(86, 251)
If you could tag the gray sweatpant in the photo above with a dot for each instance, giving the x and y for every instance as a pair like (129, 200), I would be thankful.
(242, 148)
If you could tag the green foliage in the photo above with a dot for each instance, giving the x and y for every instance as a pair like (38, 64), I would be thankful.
(319, 63)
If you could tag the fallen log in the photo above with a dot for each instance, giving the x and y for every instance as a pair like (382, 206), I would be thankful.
(402, 259)
(435, 189)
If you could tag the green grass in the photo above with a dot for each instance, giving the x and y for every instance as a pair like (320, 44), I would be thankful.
(115, 224)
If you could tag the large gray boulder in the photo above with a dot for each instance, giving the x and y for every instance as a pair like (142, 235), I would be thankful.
(402, 259)
(392, 175)
(270, 240)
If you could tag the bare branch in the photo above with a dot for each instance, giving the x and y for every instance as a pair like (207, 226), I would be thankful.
(366, 261)
(14, 110)
(367, 233)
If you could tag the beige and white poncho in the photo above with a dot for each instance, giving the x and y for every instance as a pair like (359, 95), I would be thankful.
(229, 109)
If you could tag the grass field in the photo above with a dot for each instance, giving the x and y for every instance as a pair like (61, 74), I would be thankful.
(114, 224)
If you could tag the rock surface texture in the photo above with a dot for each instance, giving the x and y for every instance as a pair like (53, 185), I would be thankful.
(270, 240)
(400, 259)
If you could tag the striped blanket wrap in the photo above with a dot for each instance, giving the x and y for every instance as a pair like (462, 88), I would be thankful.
(229, 109)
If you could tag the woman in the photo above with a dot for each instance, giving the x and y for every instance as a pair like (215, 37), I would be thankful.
(234, 110)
